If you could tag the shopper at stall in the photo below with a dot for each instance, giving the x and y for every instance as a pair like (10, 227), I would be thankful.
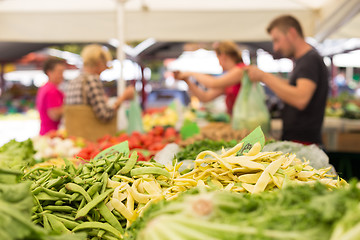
(49, 99)
(229, 83)
(305, 94)
(87, 110)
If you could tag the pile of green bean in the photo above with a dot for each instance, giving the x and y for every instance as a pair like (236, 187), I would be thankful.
(73, 198)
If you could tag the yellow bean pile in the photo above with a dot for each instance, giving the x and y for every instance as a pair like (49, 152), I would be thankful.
(254, 172)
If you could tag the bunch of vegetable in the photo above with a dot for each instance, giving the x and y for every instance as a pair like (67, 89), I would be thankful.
(90, 197)
(15, 211)
(146, 144)
(192, 150)
(216, 131)
(252, 172)
(296, 212)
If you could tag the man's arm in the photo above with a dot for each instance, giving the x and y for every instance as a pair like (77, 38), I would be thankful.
(297, 96)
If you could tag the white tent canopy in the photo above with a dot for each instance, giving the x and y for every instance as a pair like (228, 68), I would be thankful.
(170, 20)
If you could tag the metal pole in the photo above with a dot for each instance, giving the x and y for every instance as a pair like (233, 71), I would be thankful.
(121, 37)
(122, 122)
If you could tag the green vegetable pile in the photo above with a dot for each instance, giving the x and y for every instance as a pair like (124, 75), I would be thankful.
(16, 203)
(295, 212)
(73, 199)
(192, 150)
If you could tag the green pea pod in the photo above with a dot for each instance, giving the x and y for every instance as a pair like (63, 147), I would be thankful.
(59, 208)
(90, 205)
(150, 170)
(130, 163)
(98, 225)
(57, 225)
(57, 194)
(108, 237)
(43, 196)
(76, 188)
(109, 217)
(104, 180)
(67, 223)
(94, 188)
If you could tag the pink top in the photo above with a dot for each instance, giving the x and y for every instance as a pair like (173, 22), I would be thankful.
(48, 96)
(232, 92)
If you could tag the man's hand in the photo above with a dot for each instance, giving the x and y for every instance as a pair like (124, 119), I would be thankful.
(181, 75)
(255, 74)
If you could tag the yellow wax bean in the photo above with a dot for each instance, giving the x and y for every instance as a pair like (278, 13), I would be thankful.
(214, 155)
(248, 187)
(233, 150)
(229, 186)
(186, 180)
(305, 175)
(121, 208)
(130, 206)
(250, 178)
(265, 176)
(139, 197)
(256, 148)
(245, 163)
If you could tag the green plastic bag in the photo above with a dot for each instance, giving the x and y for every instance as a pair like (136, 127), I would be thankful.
(135, 117)
(250, 110)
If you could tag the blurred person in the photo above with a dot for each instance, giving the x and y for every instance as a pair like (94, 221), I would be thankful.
(305, 94)
(87, 89)
(49, 99)
(229, 83)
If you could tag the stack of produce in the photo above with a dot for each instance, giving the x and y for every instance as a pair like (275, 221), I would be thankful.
(162, 117)
(147, 144)
(216, 131)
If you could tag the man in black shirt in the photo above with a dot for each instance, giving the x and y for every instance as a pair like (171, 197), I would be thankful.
(305, 94)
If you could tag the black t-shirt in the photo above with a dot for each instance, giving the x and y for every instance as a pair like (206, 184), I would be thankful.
(305, 125)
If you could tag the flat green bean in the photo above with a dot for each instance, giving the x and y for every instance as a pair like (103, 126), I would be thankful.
(83, 211)
(94, 188)
(77, 188)
(149, 170)
(105, 226)
(57, 194)
(104, 181)
(56, 225)
(130, 163)
(67, 223)
(59, 208)
(109, 217)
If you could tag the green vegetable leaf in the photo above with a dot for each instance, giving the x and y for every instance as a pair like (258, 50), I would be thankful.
(116, 149)
(255, 136)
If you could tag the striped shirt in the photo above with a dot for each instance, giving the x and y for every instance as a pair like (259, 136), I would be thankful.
(94, 95)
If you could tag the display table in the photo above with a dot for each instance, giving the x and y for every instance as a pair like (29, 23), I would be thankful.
(339, 134)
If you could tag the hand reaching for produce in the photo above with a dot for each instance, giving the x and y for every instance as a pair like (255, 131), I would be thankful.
(181, 75)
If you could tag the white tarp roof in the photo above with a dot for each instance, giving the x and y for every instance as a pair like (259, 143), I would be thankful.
(170, 20)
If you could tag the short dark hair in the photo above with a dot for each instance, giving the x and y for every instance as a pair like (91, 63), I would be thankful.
(51, 62)
(284, 23)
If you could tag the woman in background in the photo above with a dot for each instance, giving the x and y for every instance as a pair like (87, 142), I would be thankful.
(87, 113)
(229, 83)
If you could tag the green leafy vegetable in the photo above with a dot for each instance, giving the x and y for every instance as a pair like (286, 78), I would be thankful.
(16, 155)
(192, 150)
(295, 212)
